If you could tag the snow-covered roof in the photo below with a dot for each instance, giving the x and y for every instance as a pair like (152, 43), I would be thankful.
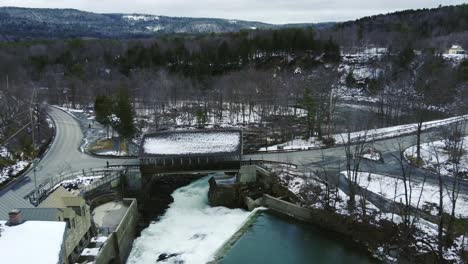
(38, 242)
(456, 47)
(195, 143)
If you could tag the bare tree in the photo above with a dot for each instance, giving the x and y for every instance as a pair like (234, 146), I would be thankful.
(354, 148)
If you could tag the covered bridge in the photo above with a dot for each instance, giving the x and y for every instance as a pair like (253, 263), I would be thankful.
(193, 150)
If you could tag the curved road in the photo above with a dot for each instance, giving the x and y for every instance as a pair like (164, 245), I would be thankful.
(63, 156)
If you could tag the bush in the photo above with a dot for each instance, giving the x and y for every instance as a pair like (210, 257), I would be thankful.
(328, 142)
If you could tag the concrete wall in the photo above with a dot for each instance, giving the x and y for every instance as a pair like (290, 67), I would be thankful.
(287, 208)
(248, 173)
(119, 243)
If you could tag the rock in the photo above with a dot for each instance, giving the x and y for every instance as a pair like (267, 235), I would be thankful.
(252, 204)
(224, 195)
(165, 256)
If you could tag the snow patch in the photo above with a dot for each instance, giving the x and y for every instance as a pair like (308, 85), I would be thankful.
(140, 17)
(394, 189)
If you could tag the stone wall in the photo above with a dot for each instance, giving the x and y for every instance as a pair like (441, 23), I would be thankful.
(119, 243)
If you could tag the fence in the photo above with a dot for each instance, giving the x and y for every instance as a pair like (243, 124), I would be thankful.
(43, 190)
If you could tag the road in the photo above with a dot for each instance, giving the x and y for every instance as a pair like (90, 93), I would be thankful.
(334, 160)
(63, 156)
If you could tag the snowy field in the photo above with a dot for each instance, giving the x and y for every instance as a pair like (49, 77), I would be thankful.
(373, 134)
(434, 155)
(393, 189)
(191, 231)
(192, 143)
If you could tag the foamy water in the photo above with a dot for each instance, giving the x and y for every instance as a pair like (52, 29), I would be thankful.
(190, 229)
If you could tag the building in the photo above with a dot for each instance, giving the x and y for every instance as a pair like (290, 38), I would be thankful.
(39, 242)
(456, 50)
(182, 151)
(63, 206)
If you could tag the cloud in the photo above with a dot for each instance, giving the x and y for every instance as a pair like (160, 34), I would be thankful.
(272, 11)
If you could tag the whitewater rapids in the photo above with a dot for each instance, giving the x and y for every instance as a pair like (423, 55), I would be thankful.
(191, 231)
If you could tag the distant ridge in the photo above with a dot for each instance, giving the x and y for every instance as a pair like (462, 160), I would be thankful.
(30, 23)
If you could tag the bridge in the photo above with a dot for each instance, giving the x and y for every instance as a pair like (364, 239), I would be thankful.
(191, 151)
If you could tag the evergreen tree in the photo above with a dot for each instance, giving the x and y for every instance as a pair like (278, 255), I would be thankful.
(103, 109)
(124, 113)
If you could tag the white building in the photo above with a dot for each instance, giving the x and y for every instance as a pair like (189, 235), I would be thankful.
(456, 49)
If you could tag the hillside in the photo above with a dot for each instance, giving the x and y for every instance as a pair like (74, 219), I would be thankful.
(437, 27)
(29, 23)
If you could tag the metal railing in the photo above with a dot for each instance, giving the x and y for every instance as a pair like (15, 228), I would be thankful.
(43, 190)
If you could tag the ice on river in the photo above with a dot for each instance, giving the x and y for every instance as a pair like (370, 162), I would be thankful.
(190, 232)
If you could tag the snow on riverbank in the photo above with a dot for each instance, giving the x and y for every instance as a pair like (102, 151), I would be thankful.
(191, 230)
(435, 155)
(393, 189)
(373, 134)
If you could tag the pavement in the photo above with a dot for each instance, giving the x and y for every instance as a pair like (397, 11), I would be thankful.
(62, 157)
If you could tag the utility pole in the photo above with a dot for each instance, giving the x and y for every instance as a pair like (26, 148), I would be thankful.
(32, 108)
(330, 113)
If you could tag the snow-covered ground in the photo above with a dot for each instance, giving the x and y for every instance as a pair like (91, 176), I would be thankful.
(304, 186)
(192, 143)
(38, 242)
(10, 171)
(307, 187)
(370, 135)
(421, 195)
(77, 183)
(455, 58)
(182, 114)
(140, 17)
(435, 156)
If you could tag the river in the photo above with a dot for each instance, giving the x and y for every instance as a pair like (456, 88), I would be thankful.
(272, 239)
(191, 232)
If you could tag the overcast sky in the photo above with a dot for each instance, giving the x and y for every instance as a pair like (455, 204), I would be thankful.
(271, 11)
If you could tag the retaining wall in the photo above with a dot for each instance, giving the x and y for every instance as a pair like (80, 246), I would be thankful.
(119, 243)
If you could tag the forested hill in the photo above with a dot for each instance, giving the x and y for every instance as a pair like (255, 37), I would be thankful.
(29, 23)
(436, 27)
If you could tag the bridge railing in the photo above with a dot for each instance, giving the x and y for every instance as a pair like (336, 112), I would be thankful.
(43, 190)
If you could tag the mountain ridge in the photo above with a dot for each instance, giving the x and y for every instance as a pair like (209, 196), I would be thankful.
(30, 23)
